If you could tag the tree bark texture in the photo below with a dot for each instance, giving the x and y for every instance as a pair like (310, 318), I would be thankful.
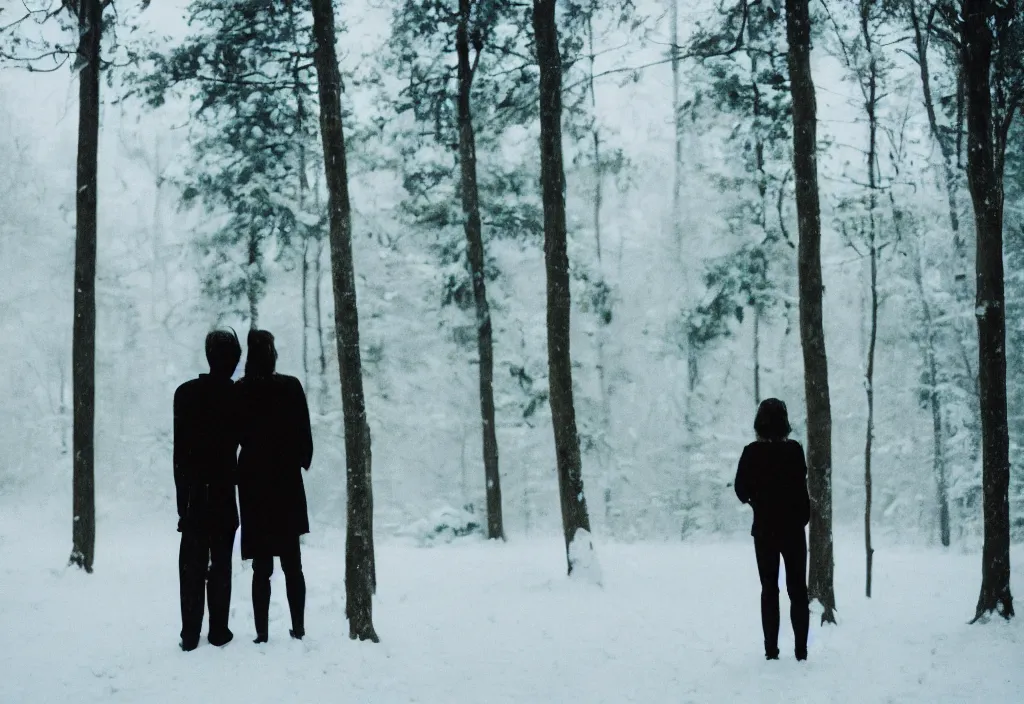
(305, 311)
(556, 258)
(812, 334)
(984, 152)
(318, 300)
(869, 550)
(475, 252)
(83, 346)
(252, 285)
(677, 124)
(300, 121)
(359, 559)
(871, 107)
(757, 356)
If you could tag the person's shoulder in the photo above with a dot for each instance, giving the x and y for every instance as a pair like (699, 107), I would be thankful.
(794, 445)
(291, 382)
(183, 390)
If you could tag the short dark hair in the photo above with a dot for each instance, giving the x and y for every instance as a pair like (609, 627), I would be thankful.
(223, 351)
(772, 420)
(262, 357)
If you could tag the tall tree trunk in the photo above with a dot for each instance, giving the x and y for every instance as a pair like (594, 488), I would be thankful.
(359, 558)
(300, 133)
(869, 387)
(921, 40)
(757, 355)
(305, 311)
(935, 403)
(677, 123)
(305, 268)
(603, 445)
(692, 370)
(83, 346)
(985, 180)
(762, 191)
(252, 284)
(812, 334)
(318, 308)
(318, 281)
(871, 107)
(475, 252)
(563, 415)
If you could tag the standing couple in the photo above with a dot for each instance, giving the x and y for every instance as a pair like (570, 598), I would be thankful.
(265, 414)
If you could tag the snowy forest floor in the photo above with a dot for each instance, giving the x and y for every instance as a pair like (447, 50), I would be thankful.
(472, 622)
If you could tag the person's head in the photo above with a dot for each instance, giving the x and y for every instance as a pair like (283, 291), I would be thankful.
(772, 420)
(223, 352)
(262, 357)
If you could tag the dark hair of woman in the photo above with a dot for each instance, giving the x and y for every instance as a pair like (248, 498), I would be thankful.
(772, 420)
(262, 356)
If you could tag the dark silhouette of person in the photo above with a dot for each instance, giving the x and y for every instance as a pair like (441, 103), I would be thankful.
(772, 478)
(277, 444)
(205, 450)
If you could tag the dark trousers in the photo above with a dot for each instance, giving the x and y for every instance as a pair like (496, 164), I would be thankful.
(792, 547)
(204, 564)
(295, 586)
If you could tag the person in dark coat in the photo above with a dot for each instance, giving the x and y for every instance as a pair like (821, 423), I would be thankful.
(205, 447)
(772, 478)
(277, 444)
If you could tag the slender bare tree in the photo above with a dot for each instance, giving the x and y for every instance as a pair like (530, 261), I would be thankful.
(83, 344)
(360, 578)
(475, 252)
(563, 414)
(812, 334)
(983, 23)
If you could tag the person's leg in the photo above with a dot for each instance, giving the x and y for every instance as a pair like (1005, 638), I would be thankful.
(295, 583)
(262, 569)
(794, 553)
(767, 552)
(191, 575)
(218, 586)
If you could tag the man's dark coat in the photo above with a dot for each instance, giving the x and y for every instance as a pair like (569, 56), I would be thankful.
(205, 450)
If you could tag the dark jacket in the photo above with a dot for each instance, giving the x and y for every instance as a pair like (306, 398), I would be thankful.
(772, 478)
(205, 447)
(277, 444)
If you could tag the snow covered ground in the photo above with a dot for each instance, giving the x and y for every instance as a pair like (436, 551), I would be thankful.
(472, 622)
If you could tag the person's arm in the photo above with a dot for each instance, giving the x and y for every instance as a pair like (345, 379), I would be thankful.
(304, 436)
(804, 500)
(180, 442)
(234, 429)
(742, 483)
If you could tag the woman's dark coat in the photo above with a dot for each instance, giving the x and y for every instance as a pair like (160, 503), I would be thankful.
(772, 478)
(277, 444)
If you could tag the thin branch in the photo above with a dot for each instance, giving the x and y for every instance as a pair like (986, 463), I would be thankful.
(63, 61)
(63, 53)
